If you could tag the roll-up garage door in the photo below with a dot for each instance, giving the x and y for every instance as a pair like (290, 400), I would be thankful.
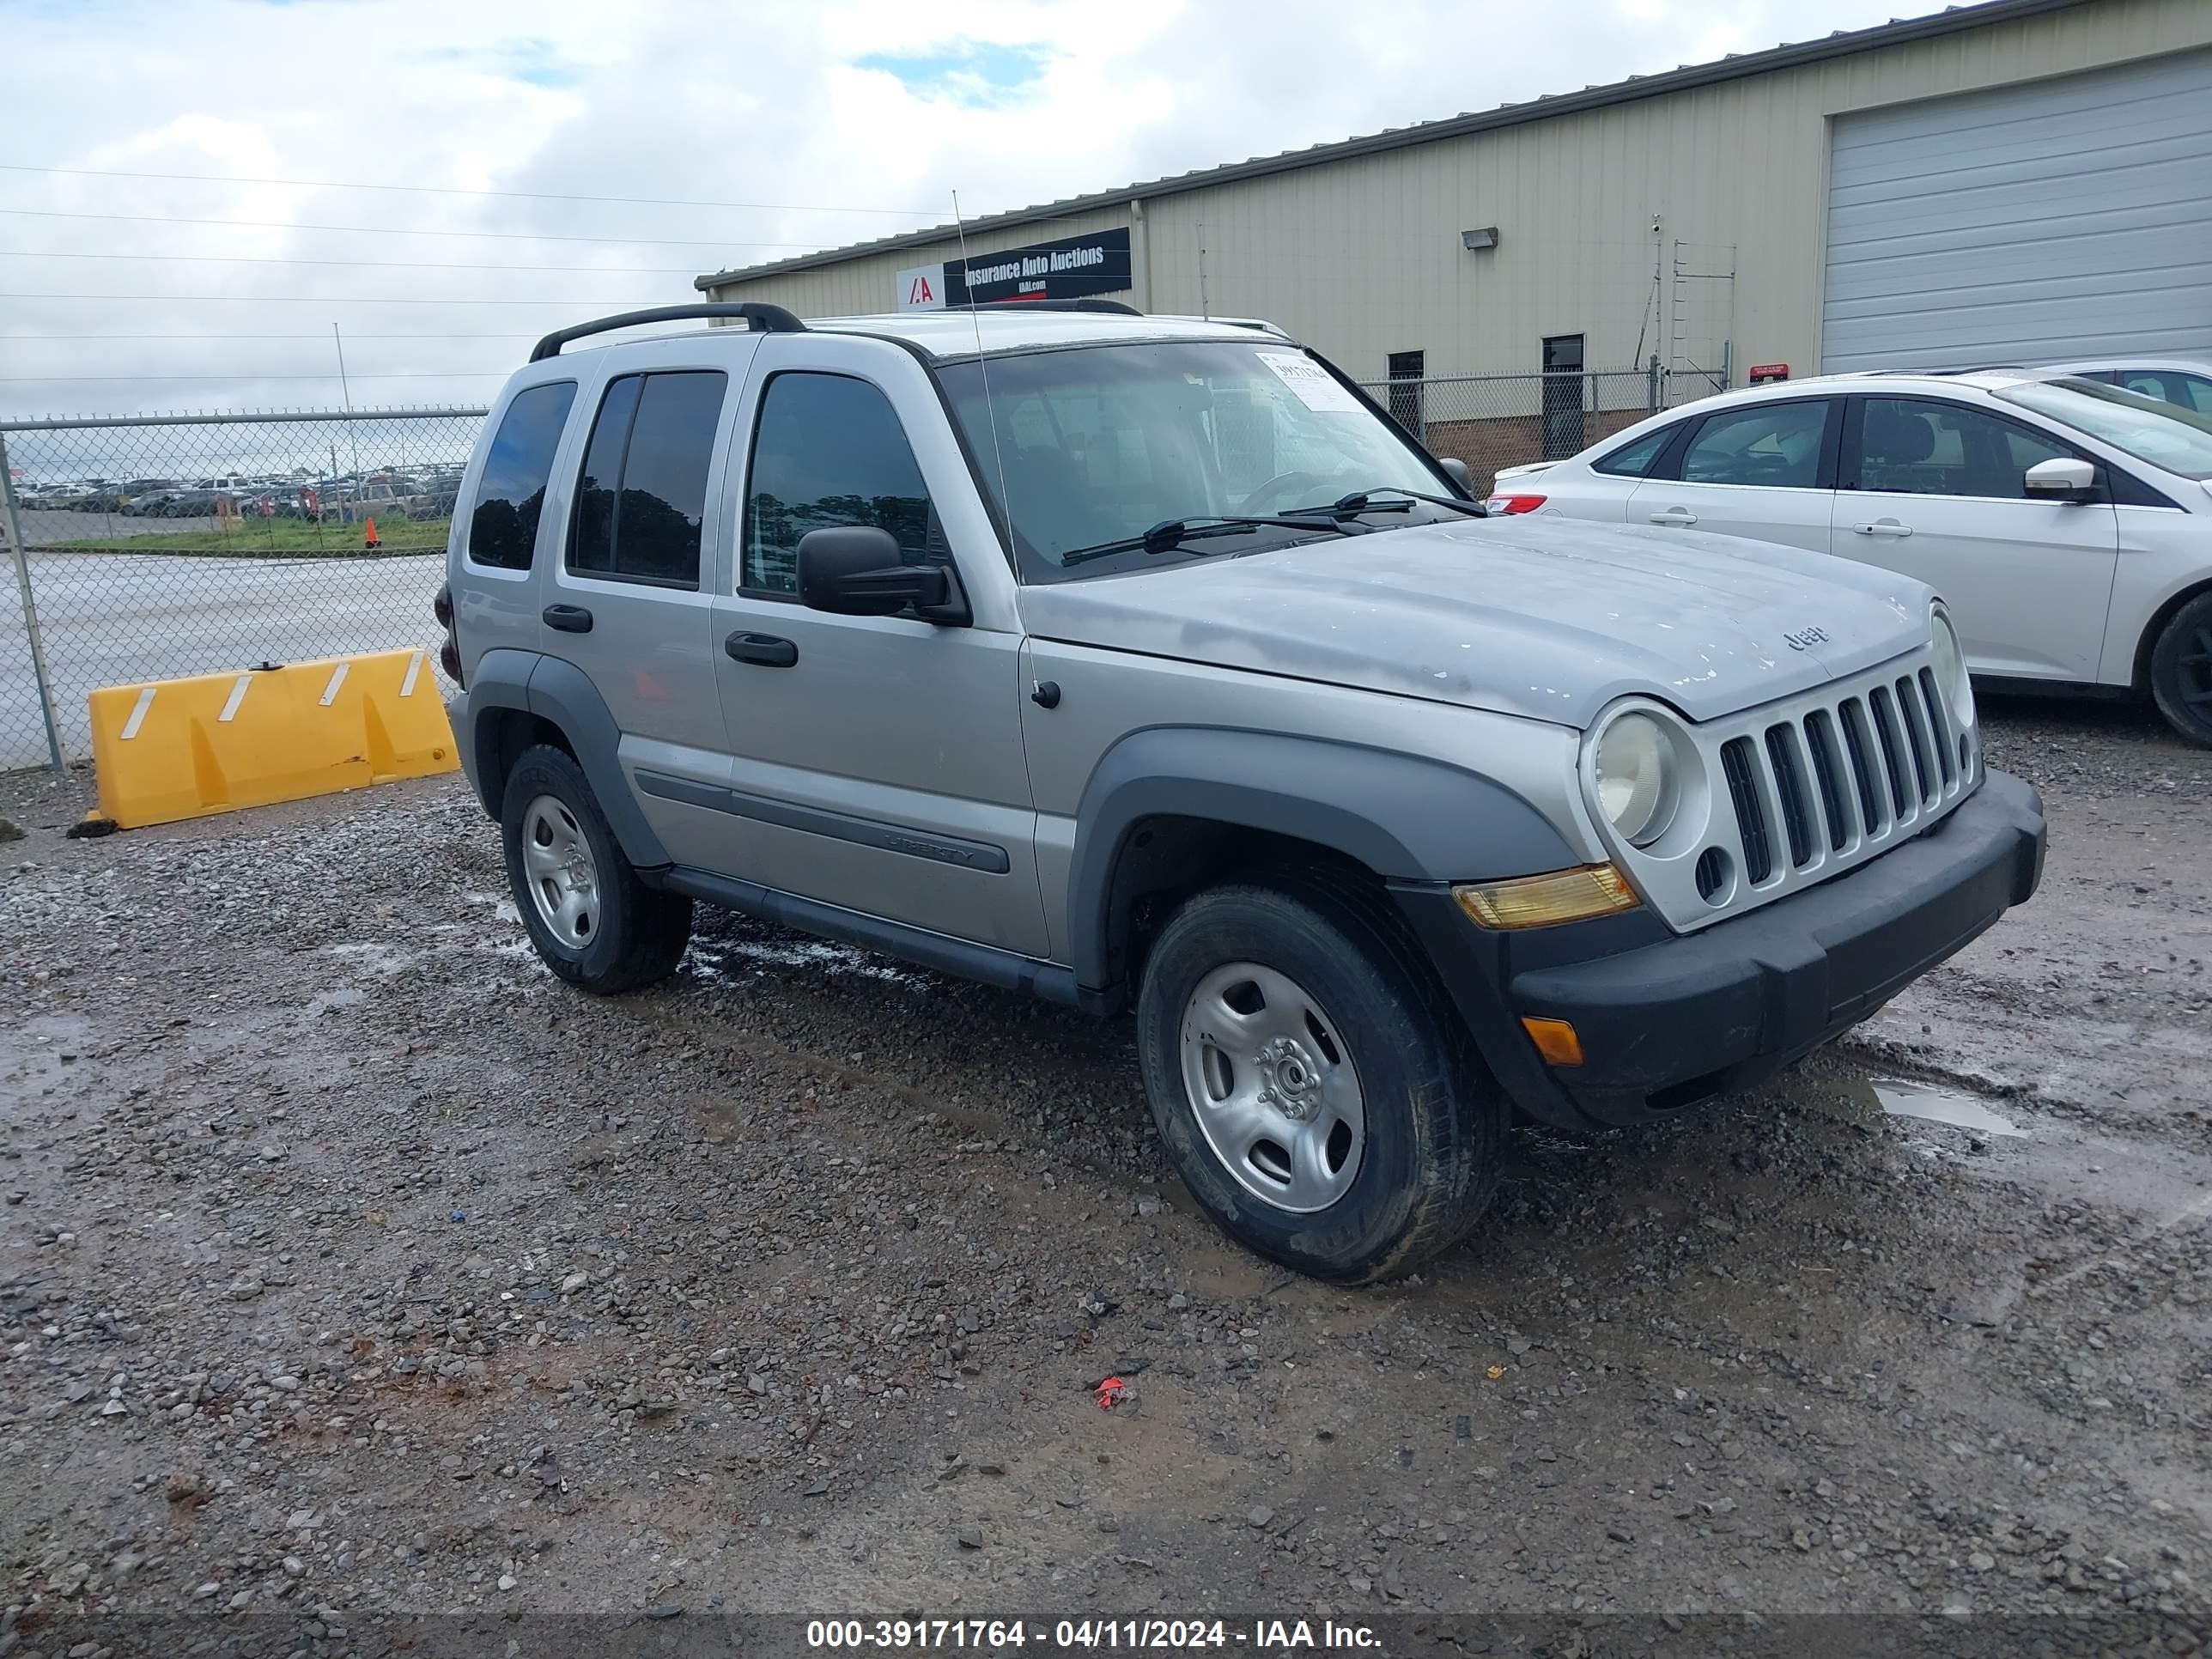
(2070, 217)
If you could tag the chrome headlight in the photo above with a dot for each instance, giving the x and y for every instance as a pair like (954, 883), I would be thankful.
(1951, 672)
(1639, 777)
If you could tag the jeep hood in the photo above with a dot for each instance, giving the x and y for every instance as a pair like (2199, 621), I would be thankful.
(1544, 617)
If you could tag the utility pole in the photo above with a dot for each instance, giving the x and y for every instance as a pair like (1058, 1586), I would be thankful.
(353, 436)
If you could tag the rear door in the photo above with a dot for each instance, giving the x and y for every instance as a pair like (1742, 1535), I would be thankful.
(1935, 490)
(1765, 470)
(631, 594)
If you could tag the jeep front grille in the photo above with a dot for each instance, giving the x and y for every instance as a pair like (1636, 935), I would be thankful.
(1903, 754)
(1806, 788)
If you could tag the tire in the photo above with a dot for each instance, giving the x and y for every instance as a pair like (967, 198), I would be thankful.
(1425, 1159)
(612, 932)
(2181, 671)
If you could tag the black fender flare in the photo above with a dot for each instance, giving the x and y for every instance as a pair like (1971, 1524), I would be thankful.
(1407, 817)
(562, 694)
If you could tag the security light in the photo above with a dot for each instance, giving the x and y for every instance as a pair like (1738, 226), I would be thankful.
(1475, 240)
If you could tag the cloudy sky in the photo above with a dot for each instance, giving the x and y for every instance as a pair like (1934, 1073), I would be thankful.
(193, 192)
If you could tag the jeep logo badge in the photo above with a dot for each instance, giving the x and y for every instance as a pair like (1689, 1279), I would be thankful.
(1805, 637)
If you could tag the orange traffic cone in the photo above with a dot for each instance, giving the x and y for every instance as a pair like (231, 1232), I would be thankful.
(371, 541)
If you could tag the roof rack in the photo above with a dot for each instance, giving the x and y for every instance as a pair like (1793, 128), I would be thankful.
(764, 318)
(1120, 306)
(1933, 374)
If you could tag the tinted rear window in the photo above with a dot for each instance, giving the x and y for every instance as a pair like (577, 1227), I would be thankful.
(503, 528)
(641, 499)
(1634, 460)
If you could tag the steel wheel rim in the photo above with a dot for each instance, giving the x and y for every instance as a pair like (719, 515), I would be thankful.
(558, 869)
(1271, 1081)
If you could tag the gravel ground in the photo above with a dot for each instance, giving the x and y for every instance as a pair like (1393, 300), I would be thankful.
(352, 1268)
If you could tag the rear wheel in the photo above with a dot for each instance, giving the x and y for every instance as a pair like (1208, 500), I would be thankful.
(2181, 671)
(595, 923)
(1314, 1088)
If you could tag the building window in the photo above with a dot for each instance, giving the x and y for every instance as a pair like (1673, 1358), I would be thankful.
(1410, 367)
(1562, 396)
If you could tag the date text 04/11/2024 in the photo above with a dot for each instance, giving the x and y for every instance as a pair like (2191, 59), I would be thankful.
(995, 1635)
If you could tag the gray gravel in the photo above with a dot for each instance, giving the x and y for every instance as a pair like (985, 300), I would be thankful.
(352, 1267)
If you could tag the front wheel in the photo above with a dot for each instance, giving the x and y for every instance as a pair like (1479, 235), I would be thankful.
(1313, 1087)
(2181, 671)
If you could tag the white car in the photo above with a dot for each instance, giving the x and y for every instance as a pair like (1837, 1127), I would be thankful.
(2068, 522)
(2182, 381)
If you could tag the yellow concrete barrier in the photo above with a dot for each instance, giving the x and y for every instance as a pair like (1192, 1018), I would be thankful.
(183, 749)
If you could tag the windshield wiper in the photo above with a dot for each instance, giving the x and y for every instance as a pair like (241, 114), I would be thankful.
(1171, 533)
(1362, 501)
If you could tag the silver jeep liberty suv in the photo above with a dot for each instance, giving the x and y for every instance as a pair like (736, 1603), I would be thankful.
(1144, 663)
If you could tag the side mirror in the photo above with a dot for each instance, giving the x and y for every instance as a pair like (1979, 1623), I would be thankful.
(2063, 478)
(1456, 469)
(853, 570)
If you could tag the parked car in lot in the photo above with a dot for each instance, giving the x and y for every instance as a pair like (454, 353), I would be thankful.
(1145, 665)
(2067, 522)
(2184, 381)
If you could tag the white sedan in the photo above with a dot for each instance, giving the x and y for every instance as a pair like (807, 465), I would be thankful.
(2182, 381)
(2067, 521)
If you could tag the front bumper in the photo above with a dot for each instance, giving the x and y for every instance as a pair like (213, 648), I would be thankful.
(1666, 1020)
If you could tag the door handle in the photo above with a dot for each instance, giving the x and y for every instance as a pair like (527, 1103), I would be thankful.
(765, 650)
(1674, 515)
(1883, 527)
(568, 618)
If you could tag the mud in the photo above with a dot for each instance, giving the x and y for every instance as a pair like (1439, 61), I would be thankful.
(304, 1155)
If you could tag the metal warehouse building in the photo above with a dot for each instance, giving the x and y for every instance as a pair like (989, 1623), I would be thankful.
(2009, 182)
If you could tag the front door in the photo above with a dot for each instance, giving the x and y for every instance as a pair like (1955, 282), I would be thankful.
(877, 761)
(1761, 470)
(1935, 490)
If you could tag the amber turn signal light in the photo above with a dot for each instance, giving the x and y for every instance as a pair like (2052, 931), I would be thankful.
(1594, 890)
(1555, 1040)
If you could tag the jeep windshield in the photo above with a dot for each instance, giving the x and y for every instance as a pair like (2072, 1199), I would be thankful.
(1100, 444)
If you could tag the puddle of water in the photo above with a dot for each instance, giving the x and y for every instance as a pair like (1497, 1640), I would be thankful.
(1934, 1105)
(373, 956)
(723, 958)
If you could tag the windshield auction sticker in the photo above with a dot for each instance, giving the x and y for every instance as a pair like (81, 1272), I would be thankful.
(1316, 388)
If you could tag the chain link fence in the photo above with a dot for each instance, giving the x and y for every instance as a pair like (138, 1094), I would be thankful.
(147, 548)
(1491, 421)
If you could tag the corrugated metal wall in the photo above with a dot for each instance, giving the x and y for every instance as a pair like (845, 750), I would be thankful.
(2068, 218)
(1361, 257)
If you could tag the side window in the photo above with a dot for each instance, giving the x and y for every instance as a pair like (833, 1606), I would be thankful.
(2171, 387)
(829, 452)
(503, 525)
(1912, 447)
(1634, 460)
(1777, 445)
(2023, 449)
(641, 497)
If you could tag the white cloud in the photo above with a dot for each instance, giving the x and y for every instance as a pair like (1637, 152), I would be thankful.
(763, 103)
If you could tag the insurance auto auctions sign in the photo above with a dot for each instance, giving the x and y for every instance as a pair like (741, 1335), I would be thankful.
(1066, 270)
